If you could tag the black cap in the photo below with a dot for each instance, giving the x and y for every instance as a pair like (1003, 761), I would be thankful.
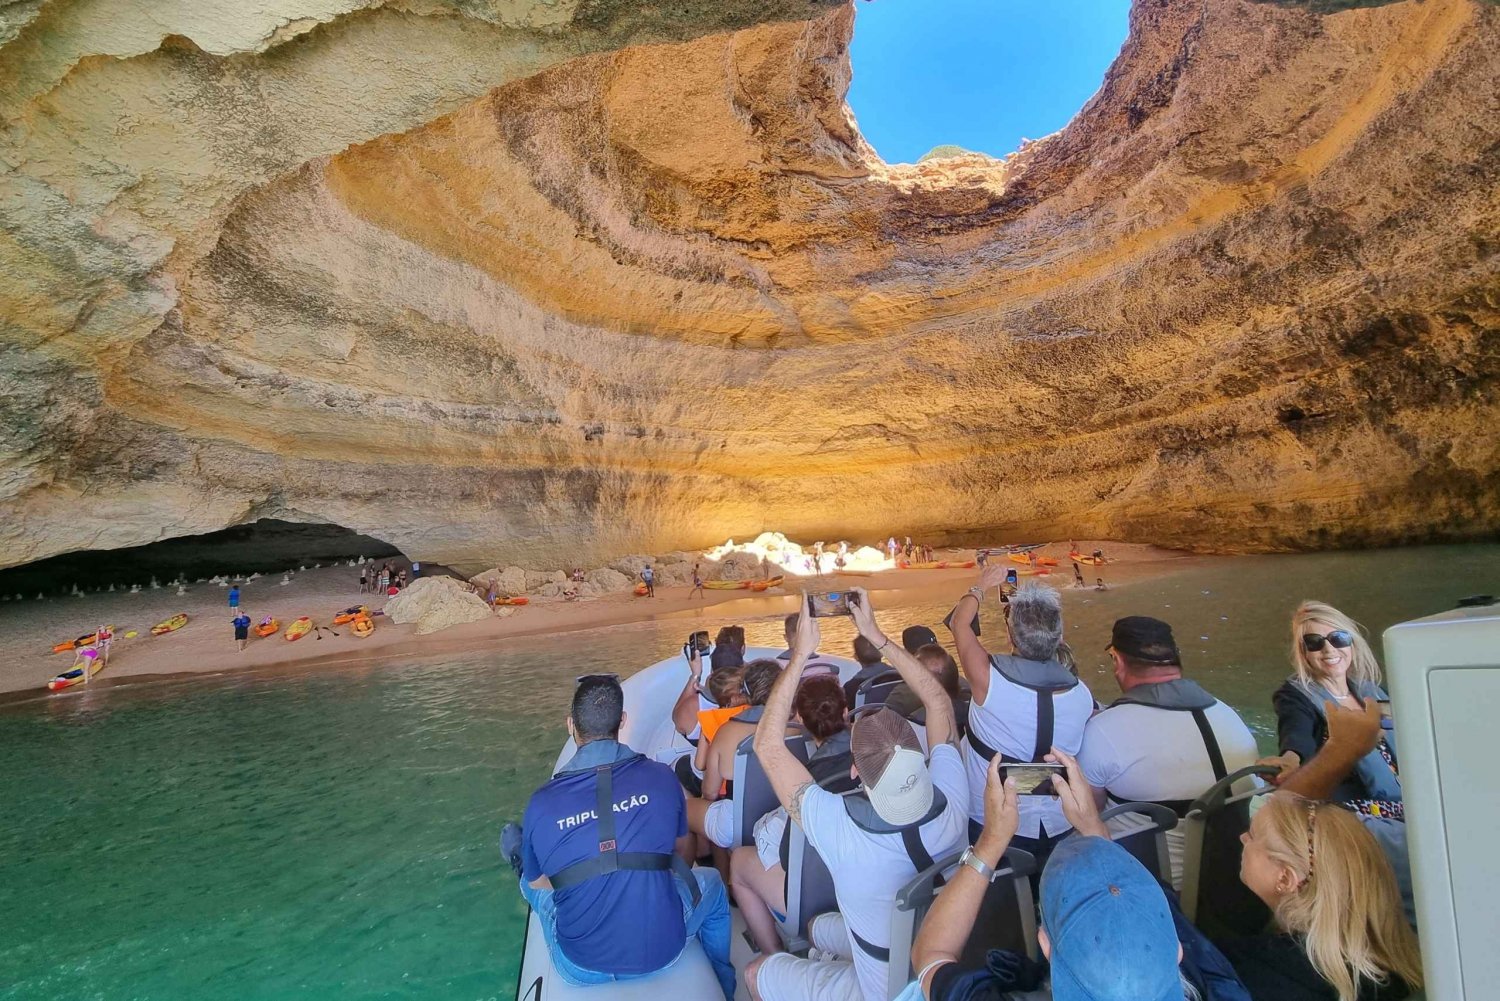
(914, 638)
(1144, 638)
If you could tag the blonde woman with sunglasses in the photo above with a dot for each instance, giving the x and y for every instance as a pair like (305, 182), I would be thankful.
(1335, 667)
(1342, 935)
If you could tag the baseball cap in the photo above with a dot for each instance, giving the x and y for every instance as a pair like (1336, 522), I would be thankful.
(1145, 638)
(914, 638)
(891, 766)
(1112, 933)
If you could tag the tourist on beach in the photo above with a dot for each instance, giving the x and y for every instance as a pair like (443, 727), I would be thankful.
(1108, 930)
(1341, 930)
(697, 584)
(1165, 740)
(870, 666)
(234, 596)
(648, 577)
(401, 579)
(1078, 580)
(981, 558)
(759, 870)
(1099, 584)
(364, 580)
(385, 577)
(1334, 666)
(604, 922)
(241, 630)
(910, 810)
(890, 548)
(1025, 703)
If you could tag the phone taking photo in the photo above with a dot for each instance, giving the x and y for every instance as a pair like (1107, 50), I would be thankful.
(831, 603)
(698, 642)
(1034, 779)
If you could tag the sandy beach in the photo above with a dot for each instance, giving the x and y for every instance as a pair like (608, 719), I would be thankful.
(29, 628)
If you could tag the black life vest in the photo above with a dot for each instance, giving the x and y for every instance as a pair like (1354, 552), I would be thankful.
(1179, 695)
(860, 810)
(1044, 678)
(610, 859)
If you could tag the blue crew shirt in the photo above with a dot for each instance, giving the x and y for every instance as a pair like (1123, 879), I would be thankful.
(626, 922)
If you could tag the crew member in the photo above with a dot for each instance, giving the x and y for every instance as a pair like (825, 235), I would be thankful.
(602, 857)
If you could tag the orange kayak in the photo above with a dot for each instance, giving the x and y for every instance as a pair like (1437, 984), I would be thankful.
(350, 614)
(518, 600)
(362, 626)
(67, 645)
(268, 628)
(640, 590)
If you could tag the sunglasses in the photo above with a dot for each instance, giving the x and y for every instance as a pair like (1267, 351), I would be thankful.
(596, 677)
(1339, 639)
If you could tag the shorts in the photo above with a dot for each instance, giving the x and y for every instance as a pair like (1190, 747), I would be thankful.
(718, 823)
(241, 632)
(784, 977)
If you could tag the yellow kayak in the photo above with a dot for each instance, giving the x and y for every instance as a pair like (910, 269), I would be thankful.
(171, 625)
(362, 626)
(299, 629)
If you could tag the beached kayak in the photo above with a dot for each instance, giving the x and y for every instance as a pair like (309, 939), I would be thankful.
(519, 599)
(641, 591)
(171, 625)
(362, 626)
(67, 645)
(1093, 561)
(299, 629)
(76, 676)
(350, 614)
(1026, 559)
(744, 585)
(764, 585)
(268, 628)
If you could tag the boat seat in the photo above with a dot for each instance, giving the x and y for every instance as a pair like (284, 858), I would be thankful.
(1213, 898)
(1006, 918)
(876, 690)
(1141, 829)
(753, 795)
(809, 890)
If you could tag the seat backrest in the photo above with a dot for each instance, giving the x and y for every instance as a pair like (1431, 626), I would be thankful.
(1006, 918)
(1213, 898)
(876, 690)
(753, 795)
(1141, 829)
(809, 890)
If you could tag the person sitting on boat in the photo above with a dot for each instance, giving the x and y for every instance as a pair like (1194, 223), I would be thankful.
(601, 856)
(1334, 666)
(871, 665)
(712, 815)
(945, 669)
(1109, 931)
(759, 870)
(910, 810)
(726, 688)
(1025, 703)
(1165, 740)
(814, 663)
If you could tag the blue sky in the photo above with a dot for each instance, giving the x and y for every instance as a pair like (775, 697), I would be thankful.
(977, 73)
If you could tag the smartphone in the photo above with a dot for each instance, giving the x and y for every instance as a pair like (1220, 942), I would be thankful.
(1034, 779)
(696, 642)
(832, 603)
(973, 623)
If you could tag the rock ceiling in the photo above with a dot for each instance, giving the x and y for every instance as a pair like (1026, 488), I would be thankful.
(549, 279)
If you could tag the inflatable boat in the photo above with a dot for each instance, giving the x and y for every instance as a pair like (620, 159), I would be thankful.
(649, 697)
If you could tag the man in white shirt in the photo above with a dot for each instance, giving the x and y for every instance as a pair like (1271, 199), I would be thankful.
(1166, 740)
(909, 812)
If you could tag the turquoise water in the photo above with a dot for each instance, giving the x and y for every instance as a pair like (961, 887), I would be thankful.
(331, 835)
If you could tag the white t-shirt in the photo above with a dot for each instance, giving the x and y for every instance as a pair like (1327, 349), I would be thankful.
(1006, 721)
(868, 869)
(1144, 754)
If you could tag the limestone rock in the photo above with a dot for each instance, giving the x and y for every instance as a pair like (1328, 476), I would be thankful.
(535, 579)
(508, 582)
(548, 281)
(673, 574)
(608, 581)
(740, 566)
(631, 566)
(435, 603)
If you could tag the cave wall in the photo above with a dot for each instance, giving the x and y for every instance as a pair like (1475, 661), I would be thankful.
(552, 281)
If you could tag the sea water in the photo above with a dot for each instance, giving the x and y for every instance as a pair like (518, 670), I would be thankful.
(332, 834)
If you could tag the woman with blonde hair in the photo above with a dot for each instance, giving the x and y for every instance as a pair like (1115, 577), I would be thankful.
(1343, 935)
(1334, 666)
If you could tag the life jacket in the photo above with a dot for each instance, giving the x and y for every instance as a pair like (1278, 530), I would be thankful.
(1373, 770)
(860, 810)
(1179, 695)
(1046, 679)
(711, 719)
(610, 859)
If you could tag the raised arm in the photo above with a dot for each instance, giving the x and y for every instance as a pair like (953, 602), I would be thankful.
(973, 658)
(941, 726)
(947, 925)
(1352, 733)
(789, 777)
(685, 712)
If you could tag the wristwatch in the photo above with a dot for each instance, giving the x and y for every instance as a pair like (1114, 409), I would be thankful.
(977, 592)
(971, 859)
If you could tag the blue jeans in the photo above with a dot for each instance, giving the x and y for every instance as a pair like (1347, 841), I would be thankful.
(709, 921)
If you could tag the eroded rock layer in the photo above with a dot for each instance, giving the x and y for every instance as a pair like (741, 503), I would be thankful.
(549, 281)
